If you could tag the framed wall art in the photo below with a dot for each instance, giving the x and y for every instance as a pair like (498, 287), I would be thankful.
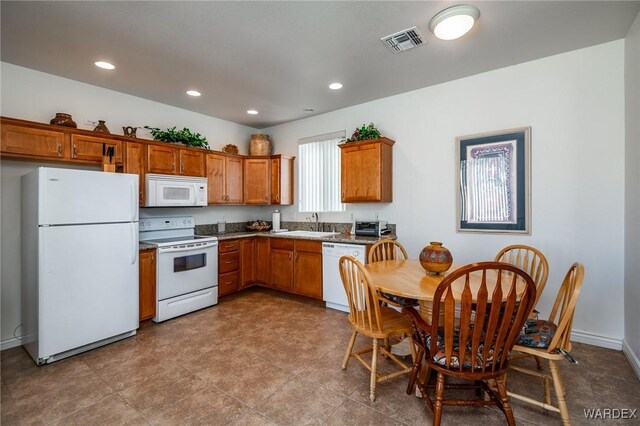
(493, 181)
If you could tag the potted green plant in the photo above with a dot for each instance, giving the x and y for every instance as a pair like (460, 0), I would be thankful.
(364, 133)
(184, 136)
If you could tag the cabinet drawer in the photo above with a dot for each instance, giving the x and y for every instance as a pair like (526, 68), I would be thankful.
(228, 246)
(309, 246)
(228, 283)
(228, 262)
(282, 244)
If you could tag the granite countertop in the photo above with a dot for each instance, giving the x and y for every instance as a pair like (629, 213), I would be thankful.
(338, 238)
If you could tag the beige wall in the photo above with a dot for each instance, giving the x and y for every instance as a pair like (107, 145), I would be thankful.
(632, 197)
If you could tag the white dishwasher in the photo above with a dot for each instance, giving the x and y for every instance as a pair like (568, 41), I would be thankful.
(332, 288)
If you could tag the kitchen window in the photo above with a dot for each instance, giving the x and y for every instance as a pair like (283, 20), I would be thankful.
(319, 171)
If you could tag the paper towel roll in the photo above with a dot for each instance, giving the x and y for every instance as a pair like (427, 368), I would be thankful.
(276, 220)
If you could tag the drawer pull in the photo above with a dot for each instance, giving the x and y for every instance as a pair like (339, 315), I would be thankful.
(230, 245)
(229, 282)
(230, 261)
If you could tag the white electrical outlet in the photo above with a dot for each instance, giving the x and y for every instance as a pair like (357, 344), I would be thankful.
(91, 123)
(351, 216)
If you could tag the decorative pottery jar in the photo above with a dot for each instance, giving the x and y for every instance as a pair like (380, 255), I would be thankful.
(129, 131)
(435, 258)
(63, 119)
(260, 144)
(101, 127)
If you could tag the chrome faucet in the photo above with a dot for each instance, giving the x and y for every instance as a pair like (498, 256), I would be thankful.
(314, 219)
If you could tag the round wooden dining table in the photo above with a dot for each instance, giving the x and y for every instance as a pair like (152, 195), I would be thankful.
(407, 278)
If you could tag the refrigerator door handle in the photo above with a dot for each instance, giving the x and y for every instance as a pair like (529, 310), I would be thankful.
(134, 246)
(134, 201)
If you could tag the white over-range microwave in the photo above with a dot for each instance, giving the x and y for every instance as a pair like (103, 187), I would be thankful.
(175, 191)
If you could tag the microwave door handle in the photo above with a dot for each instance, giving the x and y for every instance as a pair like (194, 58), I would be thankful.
(188, 248)
(195, 193)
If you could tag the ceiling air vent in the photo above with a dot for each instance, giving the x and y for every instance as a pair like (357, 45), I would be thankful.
(404, 40)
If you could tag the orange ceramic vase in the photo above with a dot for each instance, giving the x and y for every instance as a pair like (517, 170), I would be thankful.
(435, 258)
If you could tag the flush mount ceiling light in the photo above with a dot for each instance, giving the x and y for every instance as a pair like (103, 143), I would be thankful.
(193, 93)
(252, 111)
(454, 22)
(335, 86)
(308, 110)
(104, 65)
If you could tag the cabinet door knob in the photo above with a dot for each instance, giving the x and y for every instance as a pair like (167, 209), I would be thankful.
(75, 150)
(182, 168)
(59, 149)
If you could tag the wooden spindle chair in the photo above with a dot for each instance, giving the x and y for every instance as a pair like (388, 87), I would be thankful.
(390, 250)
(551, 336)
(529, 259)
(369, 317)
(472, 342)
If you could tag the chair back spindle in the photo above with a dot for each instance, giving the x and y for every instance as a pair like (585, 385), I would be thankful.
(565, 306)
(387, 250)
(480, 328)
(530, 260)
(362, 296)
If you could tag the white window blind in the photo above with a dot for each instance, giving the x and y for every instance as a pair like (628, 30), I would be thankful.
(319, 171)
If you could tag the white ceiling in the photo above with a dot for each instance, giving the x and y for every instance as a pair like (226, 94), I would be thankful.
(279, 57)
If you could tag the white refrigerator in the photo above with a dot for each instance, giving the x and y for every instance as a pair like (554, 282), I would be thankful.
(79, 260)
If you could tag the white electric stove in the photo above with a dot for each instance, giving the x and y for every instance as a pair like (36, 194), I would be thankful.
(187, 266)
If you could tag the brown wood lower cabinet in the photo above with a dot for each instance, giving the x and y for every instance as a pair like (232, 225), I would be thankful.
(308, 269)
(147, 284)
(247, 263)
(228, 267)
(284, 264)
(263, 261)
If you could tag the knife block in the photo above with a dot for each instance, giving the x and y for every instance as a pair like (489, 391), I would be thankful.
(107, 166)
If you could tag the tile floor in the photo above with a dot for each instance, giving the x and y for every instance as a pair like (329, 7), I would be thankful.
(263, 358)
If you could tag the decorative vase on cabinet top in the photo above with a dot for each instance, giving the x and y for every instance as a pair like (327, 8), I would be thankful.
(435, 258)
(260, 144)
(63, 119)
(101, 127)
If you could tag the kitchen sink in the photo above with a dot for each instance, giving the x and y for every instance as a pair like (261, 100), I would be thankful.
(308, 234)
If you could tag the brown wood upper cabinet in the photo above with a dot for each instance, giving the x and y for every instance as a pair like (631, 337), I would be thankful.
(134, 163)
(32, 142)
(224, 176)
(169, 160)
(162, 159)
(257, 180)
(282, 180)
(147, 285)
(366, 171)
(92, 148)
(192, 163)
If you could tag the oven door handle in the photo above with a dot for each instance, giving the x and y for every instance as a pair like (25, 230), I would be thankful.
(187, 248)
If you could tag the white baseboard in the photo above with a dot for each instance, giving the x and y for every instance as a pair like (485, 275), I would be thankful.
(581, 336)
(632, 357)
(10, 343)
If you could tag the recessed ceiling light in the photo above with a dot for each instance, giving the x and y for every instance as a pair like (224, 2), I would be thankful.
(252, 111)
(454, 22)
(193, 93)
(105, 65)
(335, 86)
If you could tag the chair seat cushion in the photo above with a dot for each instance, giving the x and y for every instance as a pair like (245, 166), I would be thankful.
(440, 357)
(537, 334)
(399, 300)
